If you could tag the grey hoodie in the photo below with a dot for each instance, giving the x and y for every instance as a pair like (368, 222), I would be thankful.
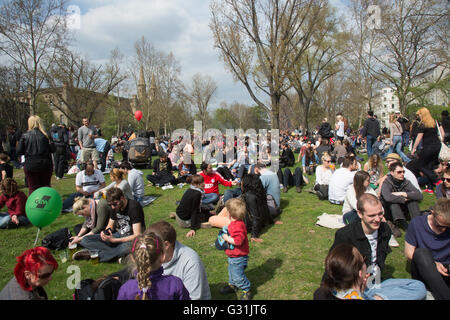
(187, 265)
(136, 182)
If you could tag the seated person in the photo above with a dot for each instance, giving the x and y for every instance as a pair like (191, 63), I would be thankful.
(162, 172)
(135, 180)
(118, 181)
(399, 197)
(15, 200)
(6, 169)
(374, 166)
(185, 170)
(189, 213)
(324, 172)
(212, 181)
(443, 189)
(288, 180)
(347, 275)
(339, 152)
(125, 224)
(96, 213)
(427, 246)
(287, 158)
(87, 183)
(370, 235)
(310, 161)
(270, 183)
(341, 180)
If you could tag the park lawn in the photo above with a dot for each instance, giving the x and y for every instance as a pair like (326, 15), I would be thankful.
(288, 265)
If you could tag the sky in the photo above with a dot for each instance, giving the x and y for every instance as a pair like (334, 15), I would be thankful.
(177, 26)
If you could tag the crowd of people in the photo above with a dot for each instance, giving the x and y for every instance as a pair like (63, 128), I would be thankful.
(378, 197)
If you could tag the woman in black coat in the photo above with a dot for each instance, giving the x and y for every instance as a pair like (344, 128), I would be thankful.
(37, 147)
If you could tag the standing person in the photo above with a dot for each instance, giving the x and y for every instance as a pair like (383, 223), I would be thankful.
(182, 261)
(13, 138)
(102, 147)
(86, 139)
(340, 128)
(238, 255)
(127, 219)
(371, 131)
(371, 237)
(325, 130)
(73, 139)
(15, 200)
(427, 133)
(150, 283)
(427, 246)
(6, 170)
(396, 131)
(61, 140)
(445, 123)
(37, 147)
(404, 121)
(32, 272)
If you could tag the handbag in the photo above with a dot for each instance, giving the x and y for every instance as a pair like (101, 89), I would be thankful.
(444, 153)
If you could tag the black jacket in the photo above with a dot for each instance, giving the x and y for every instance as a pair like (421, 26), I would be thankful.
(325, 130)
(37, 149)
(157, 166)
(258, 215)
(287, 158)
(371, 127)
(189, 207)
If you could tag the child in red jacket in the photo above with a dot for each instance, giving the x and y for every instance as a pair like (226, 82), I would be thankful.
(15, 201)
(238, 256)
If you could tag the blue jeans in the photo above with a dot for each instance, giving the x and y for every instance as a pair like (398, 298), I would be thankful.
(397, 289)
(106, 250)
(370, 141)
(5, 218)
(231, 193)
(210, 198)
(236, 274)
(397, 146)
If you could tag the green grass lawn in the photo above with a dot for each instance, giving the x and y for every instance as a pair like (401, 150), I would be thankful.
(288, 265)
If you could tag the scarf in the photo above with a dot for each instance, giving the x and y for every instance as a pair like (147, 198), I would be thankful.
(349, 294)
(90, 221)
(198, 189)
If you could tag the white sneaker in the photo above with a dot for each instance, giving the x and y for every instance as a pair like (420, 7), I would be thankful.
(393, 243)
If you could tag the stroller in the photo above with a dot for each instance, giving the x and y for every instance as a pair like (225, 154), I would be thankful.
(139, 152)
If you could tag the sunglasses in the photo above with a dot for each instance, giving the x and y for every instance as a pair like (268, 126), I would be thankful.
(446, 179)
(399, 172)
(440, 226)
(326, 160)
(45, 275)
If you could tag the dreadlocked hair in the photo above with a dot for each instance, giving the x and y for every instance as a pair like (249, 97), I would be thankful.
(9, 187)
(146, 252)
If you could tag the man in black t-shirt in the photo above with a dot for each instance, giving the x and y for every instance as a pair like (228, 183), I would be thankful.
(125, 224)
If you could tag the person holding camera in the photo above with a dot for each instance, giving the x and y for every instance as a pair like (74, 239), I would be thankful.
(427, 246)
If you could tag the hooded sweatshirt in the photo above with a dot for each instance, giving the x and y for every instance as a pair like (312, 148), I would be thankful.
(136, 182)
(187, 265)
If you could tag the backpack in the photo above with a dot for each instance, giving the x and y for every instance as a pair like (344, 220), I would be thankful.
(105, 288)
(56, 137)
(57, 240)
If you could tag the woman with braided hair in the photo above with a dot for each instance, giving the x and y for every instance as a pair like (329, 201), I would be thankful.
(149, 283)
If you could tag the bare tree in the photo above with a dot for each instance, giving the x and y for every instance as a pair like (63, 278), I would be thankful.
(32, 32)
(407, 37)
(259, 42)
(200, 93)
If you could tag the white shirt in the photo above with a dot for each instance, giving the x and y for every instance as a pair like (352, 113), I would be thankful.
(340, 131)
(350, 200)
(373, 268)
(341, 180)
(89, 183)
(323, 176)
(411, 177)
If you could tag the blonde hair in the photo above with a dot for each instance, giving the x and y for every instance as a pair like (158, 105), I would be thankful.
(117, 174)
(338, 143)
(392, 118)
(426, 118)
(237, 209)
(35, 122)
(325, 155)
(79, 203)
(147, 250)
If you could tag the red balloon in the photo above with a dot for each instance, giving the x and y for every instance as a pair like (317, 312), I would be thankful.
(138, 115)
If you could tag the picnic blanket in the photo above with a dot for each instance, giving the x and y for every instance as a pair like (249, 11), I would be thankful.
(331, 221)
(146, 200)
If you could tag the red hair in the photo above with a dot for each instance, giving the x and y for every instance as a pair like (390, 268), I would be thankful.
(32, 260)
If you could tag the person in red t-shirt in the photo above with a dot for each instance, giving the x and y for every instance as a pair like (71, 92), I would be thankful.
(15, 201)
(238, 256)
(212, 181)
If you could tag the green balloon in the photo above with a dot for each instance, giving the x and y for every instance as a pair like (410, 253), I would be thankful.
(43, 206)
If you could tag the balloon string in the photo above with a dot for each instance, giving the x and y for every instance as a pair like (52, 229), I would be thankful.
(37, 237)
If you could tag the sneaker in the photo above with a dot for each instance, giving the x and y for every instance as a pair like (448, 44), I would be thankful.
(392, 242)
(229, 288)
(299, 189)
(205, 225)
(246, 295)
(395, 231)
(82, 255)
(172, 215)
